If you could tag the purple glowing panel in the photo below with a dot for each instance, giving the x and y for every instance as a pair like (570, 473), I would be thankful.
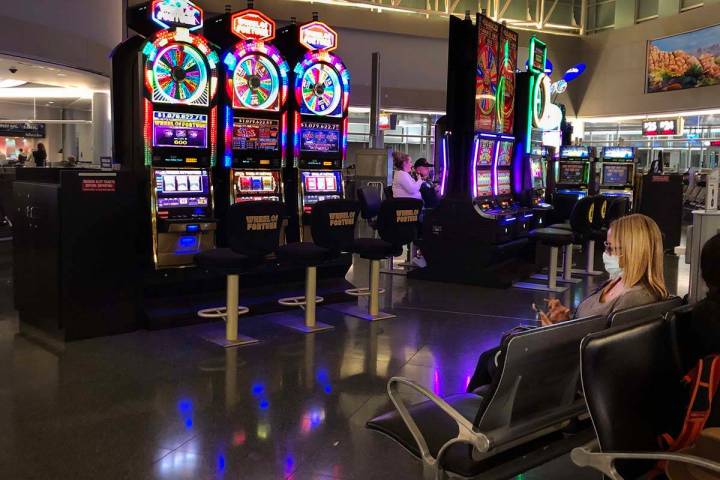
(176, 129)
(320, 137)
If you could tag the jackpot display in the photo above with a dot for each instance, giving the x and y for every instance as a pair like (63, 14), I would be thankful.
(165, 85)
(319, 119)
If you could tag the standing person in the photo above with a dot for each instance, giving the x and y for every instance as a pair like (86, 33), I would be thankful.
(22, 157)
(40, 155)
(404, 185)
(428, 189)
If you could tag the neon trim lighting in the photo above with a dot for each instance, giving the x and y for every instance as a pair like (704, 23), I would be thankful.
(322, 85)
(283, 135)
(148, 133)
(228, 137)
(444, 158)
(495, 169)
(296, 137)
(345, 138)
(213, 136)
(473, 167)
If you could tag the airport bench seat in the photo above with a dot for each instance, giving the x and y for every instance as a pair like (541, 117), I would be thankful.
(638, 362)
(529, 400)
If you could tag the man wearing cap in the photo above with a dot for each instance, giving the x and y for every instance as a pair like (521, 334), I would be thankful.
(428, 189)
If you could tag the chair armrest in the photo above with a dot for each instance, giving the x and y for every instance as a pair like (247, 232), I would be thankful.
(589, 456)
(466, 433)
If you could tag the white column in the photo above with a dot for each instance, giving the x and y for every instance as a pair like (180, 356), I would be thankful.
(101, 127)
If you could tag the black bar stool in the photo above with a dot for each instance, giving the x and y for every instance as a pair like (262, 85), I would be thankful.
(370, 201)
(332, 226)
(398, 224)
(253, 234)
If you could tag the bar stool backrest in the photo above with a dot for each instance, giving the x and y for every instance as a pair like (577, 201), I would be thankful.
(333, 224)
(399, 220)
(253, 228)
(370, 201)
(601, 211)
(583, 215)
(617, 207)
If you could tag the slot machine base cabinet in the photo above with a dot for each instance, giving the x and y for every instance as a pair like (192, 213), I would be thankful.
(457, 248)
(179, 242)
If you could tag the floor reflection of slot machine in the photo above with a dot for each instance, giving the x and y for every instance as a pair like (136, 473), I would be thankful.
(617, 171)
(254, 117)
(167, 127)
(319, 124)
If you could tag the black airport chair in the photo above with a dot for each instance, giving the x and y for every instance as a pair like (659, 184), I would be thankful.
(253, 234)
(398, 225)
(652, 311)
(332, 225)
(631, 379)
(536, 395)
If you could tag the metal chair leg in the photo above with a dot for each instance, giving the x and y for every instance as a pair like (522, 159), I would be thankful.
(309, 323)
(230, 313)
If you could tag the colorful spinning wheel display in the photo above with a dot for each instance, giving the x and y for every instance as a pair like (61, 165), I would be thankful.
(256, 82)
(180, 74)
(487, 78)
(321, 89)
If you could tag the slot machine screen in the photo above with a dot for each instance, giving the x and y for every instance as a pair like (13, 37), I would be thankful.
(574, 151)
(484, 187)
(503, 183)
(256, 134)
(320, 137)
(618, 153)
(485, 152)
(538, 175)
(319, 186)
(505, 154)
(571, 173)
(615, 175)
(252, 185)
(182, 193)
(177, 129)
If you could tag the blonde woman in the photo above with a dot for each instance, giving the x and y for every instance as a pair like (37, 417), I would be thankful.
(404, 185)
(634, 260)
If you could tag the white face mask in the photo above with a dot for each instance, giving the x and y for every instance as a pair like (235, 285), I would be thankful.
(612, 265)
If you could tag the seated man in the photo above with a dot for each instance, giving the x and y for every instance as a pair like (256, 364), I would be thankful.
(428, 189)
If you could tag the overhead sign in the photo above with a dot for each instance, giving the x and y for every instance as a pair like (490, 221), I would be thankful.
(23, 130)
(660, 127)
(318, 36)
(177, 13)
(253, 25)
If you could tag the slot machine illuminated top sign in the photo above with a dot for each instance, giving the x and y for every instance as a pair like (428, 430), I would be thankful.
(253, 25)
(322, 84)
(177, 13)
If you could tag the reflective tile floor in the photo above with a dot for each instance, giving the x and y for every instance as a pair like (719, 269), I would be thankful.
(168, 405)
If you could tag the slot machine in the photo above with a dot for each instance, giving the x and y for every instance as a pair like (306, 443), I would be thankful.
(164, 103)
(253, 115)
(537, 171)
(573, 172)
(617, 172)
(318, 120)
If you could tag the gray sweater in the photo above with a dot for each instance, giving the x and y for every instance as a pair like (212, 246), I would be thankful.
(633, 297)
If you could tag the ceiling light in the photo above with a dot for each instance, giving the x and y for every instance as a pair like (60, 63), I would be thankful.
(61, 75)
(10, 83)
(46, 92)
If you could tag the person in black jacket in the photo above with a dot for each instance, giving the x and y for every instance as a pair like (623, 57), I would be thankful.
(40, 155)
(703, 332)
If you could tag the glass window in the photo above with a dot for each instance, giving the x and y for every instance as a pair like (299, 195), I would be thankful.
(601, 14)
(646, 9)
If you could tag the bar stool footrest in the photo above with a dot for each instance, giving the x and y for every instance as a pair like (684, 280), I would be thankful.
(297, 301)
(538, 286)
(362, 291)
(220, 312)
(560, 279)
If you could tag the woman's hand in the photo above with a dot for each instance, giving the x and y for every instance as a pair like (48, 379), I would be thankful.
(557, 312)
